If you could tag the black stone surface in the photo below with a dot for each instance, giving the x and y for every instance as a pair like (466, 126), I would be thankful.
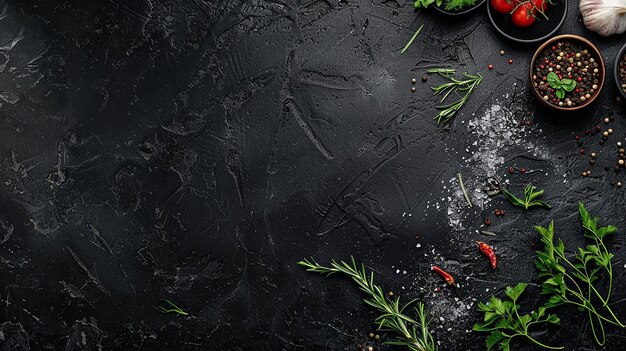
(196, 150)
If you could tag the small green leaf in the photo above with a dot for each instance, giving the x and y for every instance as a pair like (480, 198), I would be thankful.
(553, 80)
(560, 93)
(514, 293)
(494, 338)
(568, 84)
(554, 319)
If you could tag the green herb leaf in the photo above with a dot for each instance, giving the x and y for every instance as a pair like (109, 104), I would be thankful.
(503, 320)
(568, 84)
(574, 281)
(529, 201)
(553, 80)
(560, 93)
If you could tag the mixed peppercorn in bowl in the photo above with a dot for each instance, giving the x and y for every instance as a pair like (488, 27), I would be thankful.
(567, 73)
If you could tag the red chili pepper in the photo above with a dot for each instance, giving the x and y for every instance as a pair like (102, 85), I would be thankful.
(488, 251)
(445, 275)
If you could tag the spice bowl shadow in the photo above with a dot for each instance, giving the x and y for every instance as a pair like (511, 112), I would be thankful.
(577, 40)
(616, 72)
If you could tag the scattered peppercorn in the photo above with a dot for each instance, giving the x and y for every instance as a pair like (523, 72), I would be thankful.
(592, 161)
(413, 89)
(377, 337)
(487, 221)
(610, 131)
(424, 78)
(490, 67)
(605, 134)
(593, 154)
(619, 143)
(581, 151)
(413, 80)
(522, 171)
(501, 52)
(390, 293)
(371, 335)
(510, 61)
(619, 184)
(606, 120)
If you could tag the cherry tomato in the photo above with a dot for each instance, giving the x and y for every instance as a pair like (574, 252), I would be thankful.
(524, 16)
(540, 4)
(503, 6)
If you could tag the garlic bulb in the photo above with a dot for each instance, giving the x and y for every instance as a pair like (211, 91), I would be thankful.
(604, 17)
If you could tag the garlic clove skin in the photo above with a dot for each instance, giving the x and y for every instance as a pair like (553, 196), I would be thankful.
(605, 17)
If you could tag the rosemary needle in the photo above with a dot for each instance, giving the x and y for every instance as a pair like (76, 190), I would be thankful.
(464, 191)
(417, 32)
(484, 232)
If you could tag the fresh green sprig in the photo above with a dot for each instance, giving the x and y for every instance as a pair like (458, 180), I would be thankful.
(504, 322)
(572, 281)
(561, 85)
(411, 333)
(417, 32)
(449, 4)
(168, 306)
(530, 198)
(465, 87)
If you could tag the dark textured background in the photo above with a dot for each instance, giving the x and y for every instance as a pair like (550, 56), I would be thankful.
(195, 150)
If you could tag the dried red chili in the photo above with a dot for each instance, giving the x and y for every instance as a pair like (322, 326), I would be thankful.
(488, 251)
(445, 275)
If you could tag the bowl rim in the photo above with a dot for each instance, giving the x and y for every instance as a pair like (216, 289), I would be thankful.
(602, 71)
(527, 41)
(442, 11)
(618, 82)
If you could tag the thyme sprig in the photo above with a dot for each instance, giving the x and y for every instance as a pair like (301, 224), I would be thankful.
(530, 198)
(411, 333)
(572, 281)
(504, 322)
(462, 87)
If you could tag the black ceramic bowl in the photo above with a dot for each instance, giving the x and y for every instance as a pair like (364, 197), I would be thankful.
(541, 30)
(618, 81)
(463, 11)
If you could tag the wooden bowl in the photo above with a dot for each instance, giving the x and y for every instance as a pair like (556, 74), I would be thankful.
(577, 40)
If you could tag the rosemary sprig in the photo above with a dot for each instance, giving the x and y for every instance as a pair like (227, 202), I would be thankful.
(464, 191)
(411, 333)
(168, 306)
(465, 87)
(572, 281)
(417, 32)
(530, 198)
